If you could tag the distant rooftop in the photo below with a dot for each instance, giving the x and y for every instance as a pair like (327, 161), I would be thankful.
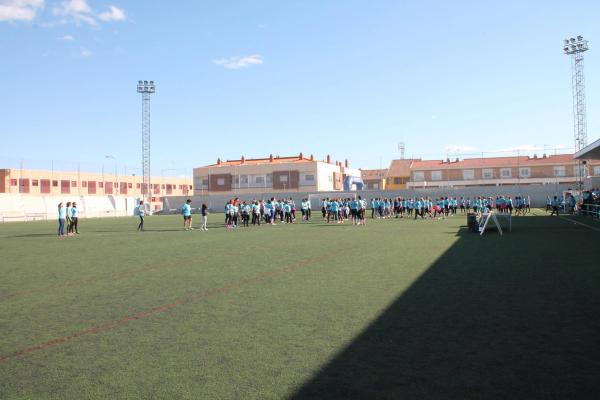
(300, 158)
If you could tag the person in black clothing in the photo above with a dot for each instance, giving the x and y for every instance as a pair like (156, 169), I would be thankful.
(204, 211)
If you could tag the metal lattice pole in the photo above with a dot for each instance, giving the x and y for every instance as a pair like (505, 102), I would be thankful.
(575, 47)
(146, 88)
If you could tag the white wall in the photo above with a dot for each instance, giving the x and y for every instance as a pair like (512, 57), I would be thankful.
(17, 207)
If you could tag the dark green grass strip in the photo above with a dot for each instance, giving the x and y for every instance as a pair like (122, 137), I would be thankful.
(166, 307)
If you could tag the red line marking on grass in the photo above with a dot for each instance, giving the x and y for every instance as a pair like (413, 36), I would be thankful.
(166, 307)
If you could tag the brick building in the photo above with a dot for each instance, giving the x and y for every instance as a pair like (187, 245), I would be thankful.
(495, 171)
(273, 174)
(374, 179)
(62, 183)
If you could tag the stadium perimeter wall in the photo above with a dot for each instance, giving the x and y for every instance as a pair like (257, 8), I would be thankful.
(17, 207)
(537, 193)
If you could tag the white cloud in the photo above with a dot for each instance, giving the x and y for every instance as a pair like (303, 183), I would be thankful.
(78, 10)
(114, 13)
(530, 148)
(66, 38)
(83, 52)
(19, 10)
(240, 62)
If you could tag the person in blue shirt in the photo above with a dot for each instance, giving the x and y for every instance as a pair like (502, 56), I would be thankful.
(186, 211)
(286, 207)
(62, 216)
(355, 210)
(333, 211)
(141, 212)
(74, 218)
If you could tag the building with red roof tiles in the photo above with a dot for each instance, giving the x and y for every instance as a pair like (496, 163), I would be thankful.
(374, 179)
(398, 174)
(274, 174)
(496, 171)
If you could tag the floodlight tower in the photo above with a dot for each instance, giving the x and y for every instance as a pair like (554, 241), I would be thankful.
(146, 88)
(575, 47)
(401, 148)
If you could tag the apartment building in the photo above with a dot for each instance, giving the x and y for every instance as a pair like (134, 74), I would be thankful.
(496, 171)
(63, 183)
(275, 174)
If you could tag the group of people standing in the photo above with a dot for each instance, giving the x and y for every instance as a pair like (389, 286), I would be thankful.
(343, 209)
(68, 217)
(334, 210)
(266, 211)
(444, 206)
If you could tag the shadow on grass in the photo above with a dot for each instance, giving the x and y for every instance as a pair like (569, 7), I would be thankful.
(513, 316)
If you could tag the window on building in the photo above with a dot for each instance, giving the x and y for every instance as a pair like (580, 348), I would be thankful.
(13, 182)
(419, 176)
(376, 185)
(309, 178)
(73, 183)
(130, 185)
(330, 178)
(65, 186)
(244, 179)
(204, 182)
(101, 184)
(269, 178)
(397, 181)
(524, 172)
(138, 185)
(487, 173)
(35, 182)
(560, 171)
(468, 174)
(505, 172)
(597, 170)
(259, 179)
(221, 181)
(436, 175)
(581, 169)
(45, 186)
(54, 183)
(24, 185)
(283, 178)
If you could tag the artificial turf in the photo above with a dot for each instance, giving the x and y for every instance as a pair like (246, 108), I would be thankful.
(395, 309)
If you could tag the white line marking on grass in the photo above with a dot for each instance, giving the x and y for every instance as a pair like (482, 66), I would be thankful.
(579, 223)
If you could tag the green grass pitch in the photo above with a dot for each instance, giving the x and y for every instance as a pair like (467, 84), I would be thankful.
(395, 309)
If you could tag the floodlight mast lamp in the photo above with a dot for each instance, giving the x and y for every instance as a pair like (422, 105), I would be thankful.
(146, 88)
(575, 47)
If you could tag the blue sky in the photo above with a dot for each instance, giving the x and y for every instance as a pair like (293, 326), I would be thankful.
(346, 78)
